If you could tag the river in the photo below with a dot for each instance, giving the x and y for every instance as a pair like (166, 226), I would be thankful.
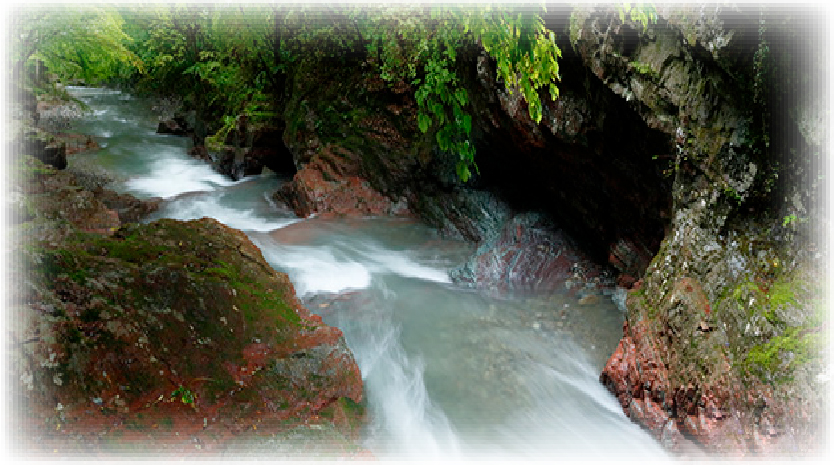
(450, 373)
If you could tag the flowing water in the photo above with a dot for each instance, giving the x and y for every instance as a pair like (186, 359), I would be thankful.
(450, 373)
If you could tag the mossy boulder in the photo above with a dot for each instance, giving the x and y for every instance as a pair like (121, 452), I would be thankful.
(724, 344)
(174, 326)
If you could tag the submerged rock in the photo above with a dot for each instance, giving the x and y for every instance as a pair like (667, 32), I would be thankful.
(531, 253)
(164, 336)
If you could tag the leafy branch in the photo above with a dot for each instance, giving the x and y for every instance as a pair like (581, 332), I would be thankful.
(420, 46)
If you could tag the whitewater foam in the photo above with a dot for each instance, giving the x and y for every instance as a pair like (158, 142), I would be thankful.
(170, 177)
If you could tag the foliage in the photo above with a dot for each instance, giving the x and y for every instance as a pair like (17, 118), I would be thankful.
(226, 61)
(185, 395)
(793, 220)
(73, 43)
(221, 61)
(642, 13)
(420, 46)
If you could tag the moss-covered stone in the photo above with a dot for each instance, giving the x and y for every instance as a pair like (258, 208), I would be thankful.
(173, 318)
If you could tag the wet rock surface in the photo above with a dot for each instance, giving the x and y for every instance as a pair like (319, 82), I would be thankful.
(531, 253)
(708, 344)
(169, 337)
(328, 186)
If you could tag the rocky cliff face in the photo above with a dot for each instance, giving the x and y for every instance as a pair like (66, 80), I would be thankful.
(170, 336)
(723, 341)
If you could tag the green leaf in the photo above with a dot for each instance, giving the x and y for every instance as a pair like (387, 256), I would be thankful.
(463, 171)
(535, 111)
(461, 96)
(424, 122)
(553, 91)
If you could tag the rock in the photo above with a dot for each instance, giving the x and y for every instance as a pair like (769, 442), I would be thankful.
(76, 143)
(328, 186)
(701, 344)
(689, 368)
(529, 253)
(200, 152)
(626, 281)
(129, 208)
(630, 258)
(53, 198)
(461, 212)
(247, 149)
(44, 147)
(174, 126)
(172, 331)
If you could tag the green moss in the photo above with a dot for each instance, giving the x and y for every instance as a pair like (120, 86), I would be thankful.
(27, 168)
(217, 387)
(790, 337)
(134, 251)
(352, 410)
(775, 360)
(783, 294)
(643, 69)
(223, 271)
(216, 142)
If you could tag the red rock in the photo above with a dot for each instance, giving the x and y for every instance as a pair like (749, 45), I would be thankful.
(626, 281)
(174, 327)
(328, 185)
(630, 257)
(530, 253)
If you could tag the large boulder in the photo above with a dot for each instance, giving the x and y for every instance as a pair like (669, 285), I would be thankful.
(354, 140)
(169, 336)
(329, 185)
(246, 147)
